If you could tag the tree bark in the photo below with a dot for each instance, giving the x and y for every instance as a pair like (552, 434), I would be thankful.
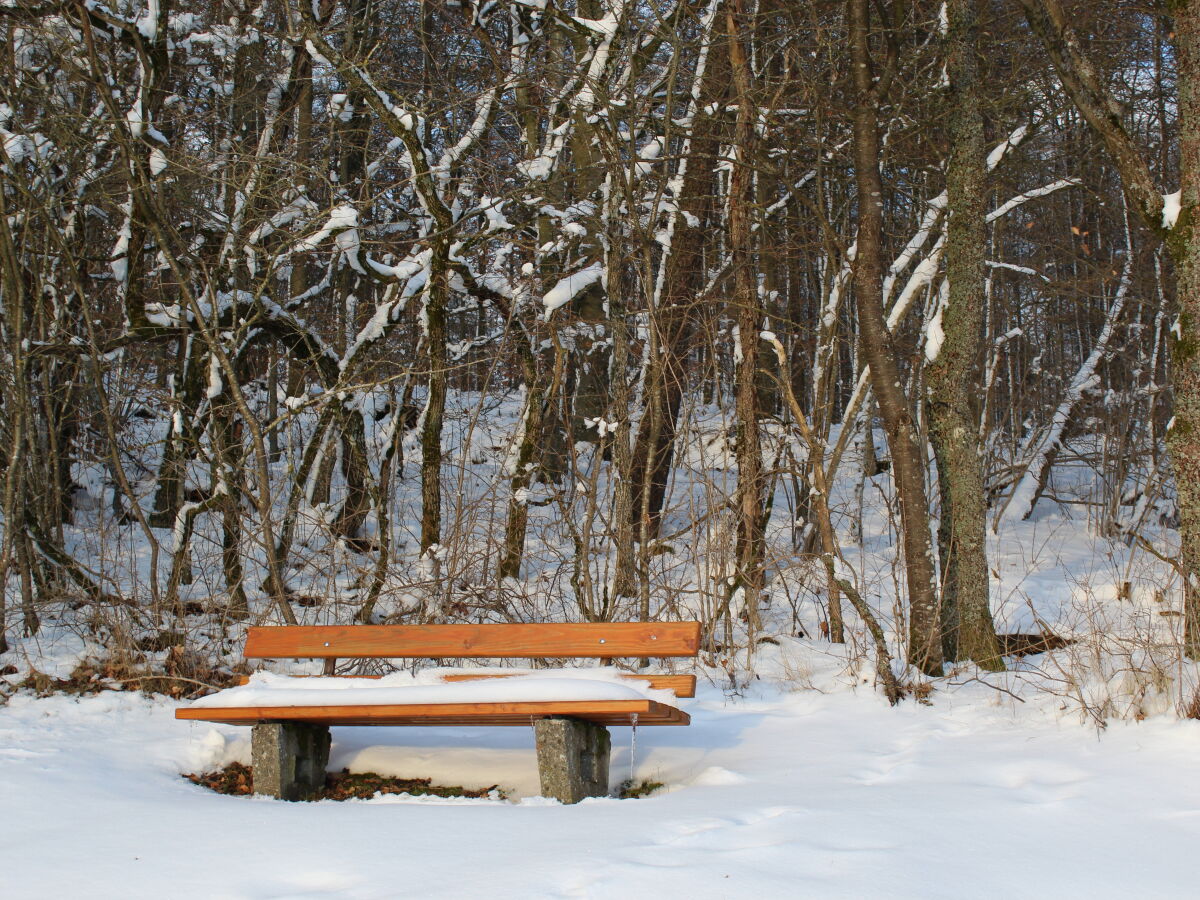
(435, 402)
(750, 483)
(967, 628)
(908, 471)
(1183, 438)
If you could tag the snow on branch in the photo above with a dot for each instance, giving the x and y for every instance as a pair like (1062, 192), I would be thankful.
(915, 244)
(1042, 446)
(485, 104)
(1009, 205)
(1171, 208)
(341, 218)
(581, 94)
(404, 125)
(1001, 150)
(675, 183)
(937, 207)
(1013, 267)
(571, 287)
(921, 276)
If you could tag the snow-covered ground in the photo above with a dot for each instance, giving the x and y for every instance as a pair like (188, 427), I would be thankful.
(780, 792)
(1072, 774)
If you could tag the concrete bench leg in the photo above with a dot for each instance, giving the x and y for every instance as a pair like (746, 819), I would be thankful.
(289, 759)
(572, 758)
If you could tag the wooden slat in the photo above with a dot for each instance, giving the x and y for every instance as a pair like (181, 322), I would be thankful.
(550, 640)
(682, 685)
(602, 712)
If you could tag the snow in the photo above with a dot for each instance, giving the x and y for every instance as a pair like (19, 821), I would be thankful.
(119, 261)
(1009, 205)
(158, 161)
(341, 218)
(540, 167)
(797, 781)
(345, 216)
(316, 55)
(405, 269)
(297, 207)
(607, 27)
(147, 23)
(401, 688)
(1171, 208)
(135, 118)
(340, 108)
(779, 793)
(1002, 149)
(16, 147)
(19, 147)
(215, 383)
(568, 288)
(493, 209)
(647, 155)
(935, 336)
(1013, 267)
(483, 113)
(1039, 447)
(375, 328)
(922, 275)
(915, 244)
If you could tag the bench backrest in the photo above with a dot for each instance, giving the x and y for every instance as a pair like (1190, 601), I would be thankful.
(523, 641)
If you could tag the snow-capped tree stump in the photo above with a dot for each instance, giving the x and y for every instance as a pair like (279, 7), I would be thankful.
(572, 758)
(289, 759)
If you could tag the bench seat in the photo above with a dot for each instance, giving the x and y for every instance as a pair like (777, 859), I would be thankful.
(599, 712)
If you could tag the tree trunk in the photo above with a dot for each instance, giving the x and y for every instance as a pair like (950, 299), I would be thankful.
(435, 401)
(967, 628)
(908, 470)
(672, 318)
(750, 481)
(1183, 438)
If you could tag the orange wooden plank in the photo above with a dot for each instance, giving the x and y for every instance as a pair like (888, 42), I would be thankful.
(602, 712)
(552, 640)
(682, 685)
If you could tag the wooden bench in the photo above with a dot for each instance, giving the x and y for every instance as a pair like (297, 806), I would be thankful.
(291, 743)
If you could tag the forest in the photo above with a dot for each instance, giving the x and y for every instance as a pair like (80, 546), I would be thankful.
(769, 314)
(842, 356)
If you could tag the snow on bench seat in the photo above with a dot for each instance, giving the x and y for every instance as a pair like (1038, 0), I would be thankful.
(602, 697)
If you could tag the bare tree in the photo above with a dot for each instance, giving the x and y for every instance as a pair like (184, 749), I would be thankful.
(908, 457)
(967, 628)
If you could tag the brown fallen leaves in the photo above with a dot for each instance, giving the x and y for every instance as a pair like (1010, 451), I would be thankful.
(238, 780)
